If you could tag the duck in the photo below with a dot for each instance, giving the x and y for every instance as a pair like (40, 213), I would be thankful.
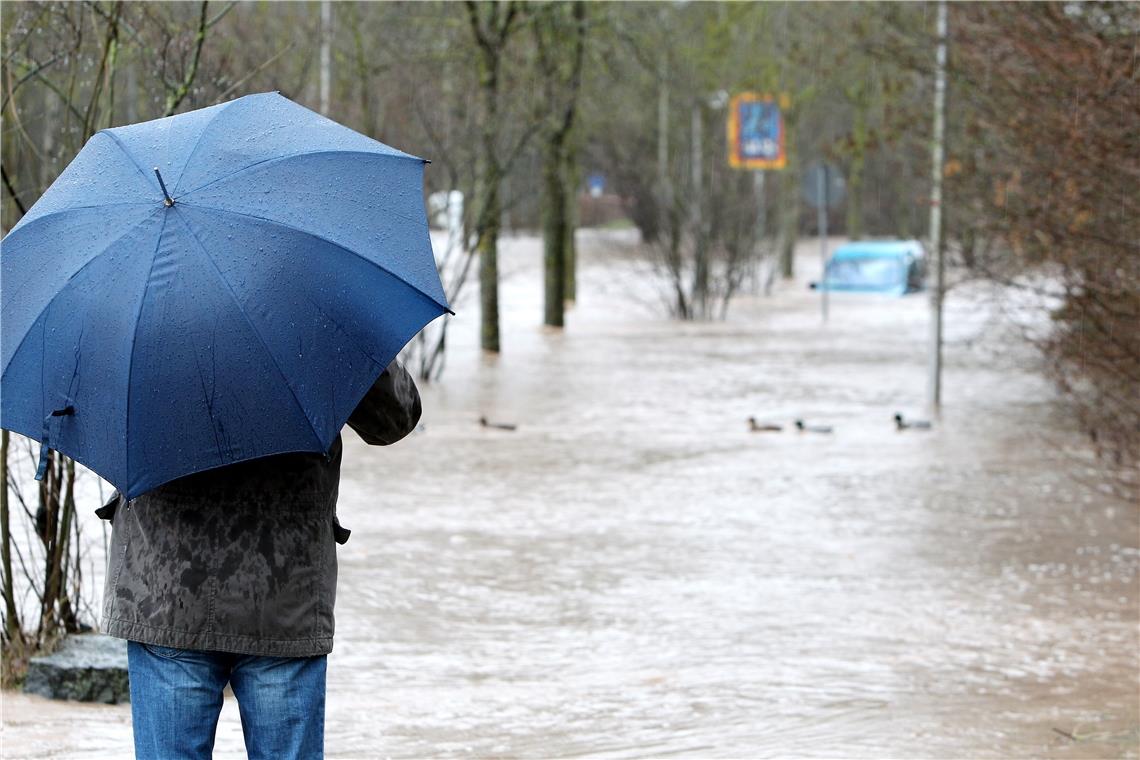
(903, 424)
(756, 427)
(800, 426)
(497, 425)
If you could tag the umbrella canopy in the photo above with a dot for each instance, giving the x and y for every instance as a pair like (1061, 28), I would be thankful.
(211, 287)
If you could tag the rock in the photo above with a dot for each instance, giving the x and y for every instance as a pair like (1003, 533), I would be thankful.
(86, 668)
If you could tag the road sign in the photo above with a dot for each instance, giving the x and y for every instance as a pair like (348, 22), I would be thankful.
(823, 185)
(596, 184)
(756, 131)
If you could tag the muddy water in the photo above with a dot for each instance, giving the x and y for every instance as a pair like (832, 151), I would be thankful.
(633, 574)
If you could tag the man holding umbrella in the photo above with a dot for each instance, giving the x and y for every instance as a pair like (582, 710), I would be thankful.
(193, 310)
(229, 576)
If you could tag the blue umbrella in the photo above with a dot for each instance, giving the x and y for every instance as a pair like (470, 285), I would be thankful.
(211, 287)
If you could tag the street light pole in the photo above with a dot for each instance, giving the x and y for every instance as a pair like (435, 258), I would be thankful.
(934, 381)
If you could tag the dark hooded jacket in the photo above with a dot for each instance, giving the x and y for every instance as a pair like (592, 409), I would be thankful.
(243, 558)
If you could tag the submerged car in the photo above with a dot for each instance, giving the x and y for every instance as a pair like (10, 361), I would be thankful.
(892, 267)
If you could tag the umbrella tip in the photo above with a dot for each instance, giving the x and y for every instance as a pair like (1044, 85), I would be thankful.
(169, 201)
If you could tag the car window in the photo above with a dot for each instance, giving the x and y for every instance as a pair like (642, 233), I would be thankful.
(868, 272)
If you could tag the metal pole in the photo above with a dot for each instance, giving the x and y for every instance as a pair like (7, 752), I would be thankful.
(326, 53)
(761, 223)
(821, 227)
(934, 380)
(663, 126)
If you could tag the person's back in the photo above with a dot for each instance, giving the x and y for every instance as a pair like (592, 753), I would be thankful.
(229, 576)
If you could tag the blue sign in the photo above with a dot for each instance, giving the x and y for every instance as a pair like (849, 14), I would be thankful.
(596, 184)
(755, 133)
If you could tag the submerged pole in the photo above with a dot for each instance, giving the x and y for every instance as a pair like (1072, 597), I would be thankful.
(821, 224)
(934, 380)
(761, 225)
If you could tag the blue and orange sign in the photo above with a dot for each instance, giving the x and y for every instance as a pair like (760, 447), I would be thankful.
(756, 131)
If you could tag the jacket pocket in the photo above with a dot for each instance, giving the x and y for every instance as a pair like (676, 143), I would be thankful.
(270, 576)
(166, 552)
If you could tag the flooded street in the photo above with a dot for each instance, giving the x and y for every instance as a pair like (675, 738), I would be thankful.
(632, 573)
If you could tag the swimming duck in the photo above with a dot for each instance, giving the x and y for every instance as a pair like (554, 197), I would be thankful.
(902, 424)
(497, 425)
(756, 427)
(800, 426)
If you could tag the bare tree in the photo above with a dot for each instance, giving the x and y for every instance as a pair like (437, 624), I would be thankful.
(560, 40)
(492, 26)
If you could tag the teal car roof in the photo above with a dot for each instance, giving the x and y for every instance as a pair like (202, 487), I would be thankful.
(864, 249)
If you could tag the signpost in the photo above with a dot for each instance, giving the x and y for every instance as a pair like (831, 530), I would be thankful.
(756, 141)
(823, 187)
(756, 132)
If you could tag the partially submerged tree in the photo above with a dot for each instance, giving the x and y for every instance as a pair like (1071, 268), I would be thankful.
(560, 40)
(492, 26)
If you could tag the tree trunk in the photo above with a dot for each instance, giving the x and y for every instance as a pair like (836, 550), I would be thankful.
(700, 289)
(570, 176)
(488, 248)
(11, 616)
(47, 525)
(67, 572)
(554, 232)
(488, 186)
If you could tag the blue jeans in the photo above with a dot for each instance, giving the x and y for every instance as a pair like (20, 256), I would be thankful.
(176, 697)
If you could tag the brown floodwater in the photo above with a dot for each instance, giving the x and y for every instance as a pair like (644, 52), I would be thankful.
(632, 573)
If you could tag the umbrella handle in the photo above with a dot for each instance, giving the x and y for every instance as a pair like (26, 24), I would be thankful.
(45, 439)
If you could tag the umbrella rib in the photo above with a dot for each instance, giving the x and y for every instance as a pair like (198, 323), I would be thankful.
(253, 327)
(126, 153)
(333, 243)
(190, 156)
(59, 211)
(403, 157)
(75, 274)
(134, 340)
(351, 333)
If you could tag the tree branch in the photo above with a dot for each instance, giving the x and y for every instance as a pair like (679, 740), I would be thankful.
(12, 191)
(174, 99)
